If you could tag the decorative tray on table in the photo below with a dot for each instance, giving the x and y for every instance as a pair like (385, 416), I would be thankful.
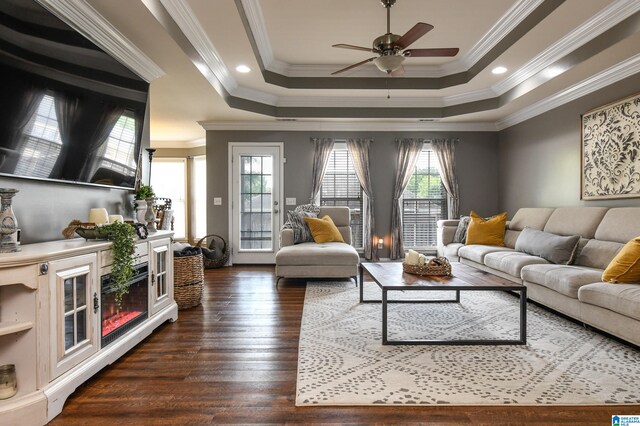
(438, 266)
(91, 233)
(87, 230)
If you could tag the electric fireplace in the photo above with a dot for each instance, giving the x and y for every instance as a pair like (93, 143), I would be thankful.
(116, 321)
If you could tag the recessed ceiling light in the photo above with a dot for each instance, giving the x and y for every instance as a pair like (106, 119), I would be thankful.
(243, 69)
(499, 70)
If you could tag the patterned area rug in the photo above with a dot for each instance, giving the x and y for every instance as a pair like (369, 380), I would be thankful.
(342, 361)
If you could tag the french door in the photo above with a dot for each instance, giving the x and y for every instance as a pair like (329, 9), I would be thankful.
(256, 174)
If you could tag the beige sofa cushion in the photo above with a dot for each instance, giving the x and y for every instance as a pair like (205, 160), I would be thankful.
(620, 298)
(621, 224)
(565, 279)
(581, 221)
(533, 217)
(598, 254)
(317, 254)
(511, 262)
(341, 217)
(510, 238)
(451, 250)
(477, 252)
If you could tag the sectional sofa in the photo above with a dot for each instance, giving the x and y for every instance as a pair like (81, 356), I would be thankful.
(576, 289)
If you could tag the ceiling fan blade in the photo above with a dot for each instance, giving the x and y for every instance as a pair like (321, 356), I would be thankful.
(445, 51)
(353, 66)
(351, 46)
(397, 72)
(413, 34)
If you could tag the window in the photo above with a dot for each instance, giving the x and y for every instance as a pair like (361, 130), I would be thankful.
(199, 192)
(168, 179)
(42, 144)
(424, 202)
(340, 187)
(118, 153)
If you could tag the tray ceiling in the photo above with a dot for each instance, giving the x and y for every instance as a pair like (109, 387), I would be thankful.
(550, 48)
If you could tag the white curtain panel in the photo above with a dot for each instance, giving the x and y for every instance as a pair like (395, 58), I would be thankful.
(408, 153)
(321, 152)
(359, 152)
(445, 152)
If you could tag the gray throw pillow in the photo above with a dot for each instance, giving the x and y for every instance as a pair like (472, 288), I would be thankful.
(461, 232)
(306, 208)
(301, 231)
(554, 248)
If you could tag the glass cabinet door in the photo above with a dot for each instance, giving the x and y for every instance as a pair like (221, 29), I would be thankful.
(161, 279)
(74, 334)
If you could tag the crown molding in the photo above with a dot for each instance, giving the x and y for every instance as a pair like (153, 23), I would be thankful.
(507, 22)
(188, 23)
(596, 25)
(511, 19)
(598, 81)
(347, 126)
(87, 21)
(184, 17)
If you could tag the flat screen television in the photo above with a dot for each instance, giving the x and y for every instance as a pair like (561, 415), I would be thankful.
(69, 112)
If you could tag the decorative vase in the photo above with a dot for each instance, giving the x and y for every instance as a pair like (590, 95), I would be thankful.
(141, 211)
(8, 222)
(150, 216)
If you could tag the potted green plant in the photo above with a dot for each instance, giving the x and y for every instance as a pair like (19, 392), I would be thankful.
(140, 205)
(123, 239)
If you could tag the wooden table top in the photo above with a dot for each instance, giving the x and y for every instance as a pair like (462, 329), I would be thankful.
(390, 276)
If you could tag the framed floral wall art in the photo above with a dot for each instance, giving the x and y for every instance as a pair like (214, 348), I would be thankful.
(610, 151)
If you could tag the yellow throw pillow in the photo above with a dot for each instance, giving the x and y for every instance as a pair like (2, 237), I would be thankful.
(625, 267)
(488, 232)
(324, 230)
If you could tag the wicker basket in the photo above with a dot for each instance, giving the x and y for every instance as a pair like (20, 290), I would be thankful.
(217, 254)
(438, 266)
(188, 281)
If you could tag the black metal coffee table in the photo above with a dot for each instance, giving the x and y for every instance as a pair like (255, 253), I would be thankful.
(390, 277)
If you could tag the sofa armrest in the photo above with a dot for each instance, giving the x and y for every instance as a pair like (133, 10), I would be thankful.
(445, 232)
(286, 237)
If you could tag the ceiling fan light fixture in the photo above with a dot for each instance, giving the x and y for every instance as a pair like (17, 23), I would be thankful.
(388, 63)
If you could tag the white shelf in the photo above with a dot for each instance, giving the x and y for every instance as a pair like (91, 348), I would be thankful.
(10, 327)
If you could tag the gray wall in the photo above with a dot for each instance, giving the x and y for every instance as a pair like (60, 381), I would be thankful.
(540, 158)
(476, 165)
(43, 209)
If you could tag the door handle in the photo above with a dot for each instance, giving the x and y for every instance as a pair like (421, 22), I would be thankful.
(153, 279)
(96, 305)
(276, 211)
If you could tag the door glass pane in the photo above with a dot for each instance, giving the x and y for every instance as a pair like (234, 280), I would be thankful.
(81, 322)
(68, 331)
(68, 294)
(256, 208)
(81, 291)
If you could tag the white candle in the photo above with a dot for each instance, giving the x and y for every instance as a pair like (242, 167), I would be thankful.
(98, 216)
(113, 218)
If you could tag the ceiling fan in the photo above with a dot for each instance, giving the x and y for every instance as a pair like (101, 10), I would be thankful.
(392, 48)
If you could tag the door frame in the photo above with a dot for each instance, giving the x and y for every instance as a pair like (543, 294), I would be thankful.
(280, 199)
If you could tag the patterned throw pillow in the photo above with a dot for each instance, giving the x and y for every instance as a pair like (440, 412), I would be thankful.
(301, 231)
(308, 208)
(461, 233)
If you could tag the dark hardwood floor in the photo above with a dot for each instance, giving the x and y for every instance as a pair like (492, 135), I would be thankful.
(233, 360)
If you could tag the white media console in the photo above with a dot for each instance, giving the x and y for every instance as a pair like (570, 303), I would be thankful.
(54, 327)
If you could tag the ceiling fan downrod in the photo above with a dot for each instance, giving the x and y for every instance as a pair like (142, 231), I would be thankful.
(387, 5)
